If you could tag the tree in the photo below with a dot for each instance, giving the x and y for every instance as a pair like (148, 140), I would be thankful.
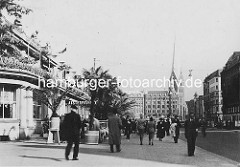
(105, 99)
(9, 44)
(122, 103)
(51, 97)
(96, 92)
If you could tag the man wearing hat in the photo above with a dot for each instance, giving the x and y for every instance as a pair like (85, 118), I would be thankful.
(191, 132)
(72, 125)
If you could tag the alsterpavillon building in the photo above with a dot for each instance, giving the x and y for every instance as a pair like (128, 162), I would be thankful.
(20, 111)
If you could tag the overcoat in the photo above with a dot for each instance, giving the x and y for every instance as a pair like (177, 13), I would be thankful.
(161, 129)
(114, 126)
(71, 126)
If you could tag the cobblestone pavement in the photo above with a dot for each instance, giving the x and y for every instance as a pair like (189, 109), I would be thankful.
(162, 153)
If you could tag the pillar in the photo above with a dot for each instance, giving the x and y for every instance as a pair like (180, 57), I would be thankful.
(23, 130)
(29, 100)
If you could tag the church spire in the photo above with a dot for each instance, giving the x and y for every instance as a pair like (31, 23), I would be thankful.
(173, 78)
(173, 54)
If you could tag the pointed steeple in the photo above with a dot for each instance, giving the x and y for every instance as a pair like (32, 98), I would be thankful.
(173, 78)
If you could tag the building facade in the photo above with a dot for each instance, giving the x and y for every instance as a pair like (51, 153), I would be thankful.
(138, 109)
(156, 103)
(212, 93)
(21, 112)
(196, 106)
(230, 78)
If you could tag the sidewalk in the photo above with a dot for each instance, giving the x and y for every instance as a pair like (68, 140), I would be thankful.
(164, 153)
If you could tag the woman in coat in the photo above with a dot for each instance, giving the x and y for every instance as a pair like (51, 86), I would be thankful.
(151, 130)
(161, 129)
(114, 126)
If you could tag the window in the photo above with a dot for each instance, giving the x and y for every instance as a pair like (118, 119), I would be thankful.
(37, 111)
(216, 79)
(216, 87)
(7, 101)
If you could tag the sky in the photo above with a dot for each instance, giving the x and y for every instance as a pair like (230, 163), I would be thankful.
(135, 38)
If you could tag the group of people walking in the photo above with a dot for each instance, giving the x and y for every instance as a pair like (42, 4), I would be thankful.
(163, 128)
(72, 126)
(166, 127)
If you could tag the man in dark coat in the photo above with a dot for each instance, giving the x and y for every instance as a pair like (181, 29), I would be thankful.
(191, 132)
(167, 126)
(72, 125)
(128, 127)
(114, 125)
(161, 129)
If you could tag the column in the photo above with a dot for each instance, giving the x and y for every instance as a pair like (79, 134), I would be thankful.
(23, 130)
(23, 108)
(29, 100)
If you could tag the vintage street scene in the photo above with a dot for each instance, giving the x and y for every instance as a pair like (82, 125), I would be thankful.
(120, 83)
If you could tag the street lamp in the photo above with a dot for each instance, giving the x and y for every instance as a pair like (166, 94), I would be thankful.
(195, 103)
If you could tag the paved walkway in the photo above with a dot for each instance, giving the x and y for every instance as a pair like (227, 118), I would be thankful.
(163, 153)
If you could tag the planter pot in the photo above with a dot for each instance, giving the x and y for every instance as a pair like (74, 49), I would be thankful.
(92, 137)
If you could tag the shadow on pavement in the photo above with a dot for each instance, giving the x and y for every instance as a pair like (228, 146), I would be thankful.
(43, 146)
(130, 150)
(36, 157)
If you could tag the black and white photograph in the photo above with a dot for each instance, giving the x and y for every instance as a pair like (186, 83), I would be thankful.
(105, 83)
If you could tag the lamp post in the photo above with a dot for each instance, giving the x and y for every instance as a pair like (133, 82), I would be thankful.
(195, 104)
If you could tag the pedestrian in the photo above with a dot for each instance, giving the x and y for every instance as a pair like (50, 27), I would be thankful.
(134, 126)
(151, 130)
(94, 123)
(191, 133)
(72, 125)
(161, 129)
(128, 127)
(141, 128)
(114, 126)
(175, 126)
(167, 126)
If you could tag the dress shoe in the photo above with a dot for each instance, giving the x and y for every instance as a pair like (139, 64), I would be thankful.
(66, 157)
(75, 158)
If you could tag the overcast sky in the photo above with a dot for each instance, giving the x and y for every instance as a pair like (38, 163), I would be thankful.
(135, 38)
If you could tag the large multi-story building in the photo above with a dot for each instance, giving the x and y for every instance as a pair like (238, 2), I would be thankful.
(156, 103)
(213, 96)
(230, 78)
(138, 108)
(21, 112)
(196, 106)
